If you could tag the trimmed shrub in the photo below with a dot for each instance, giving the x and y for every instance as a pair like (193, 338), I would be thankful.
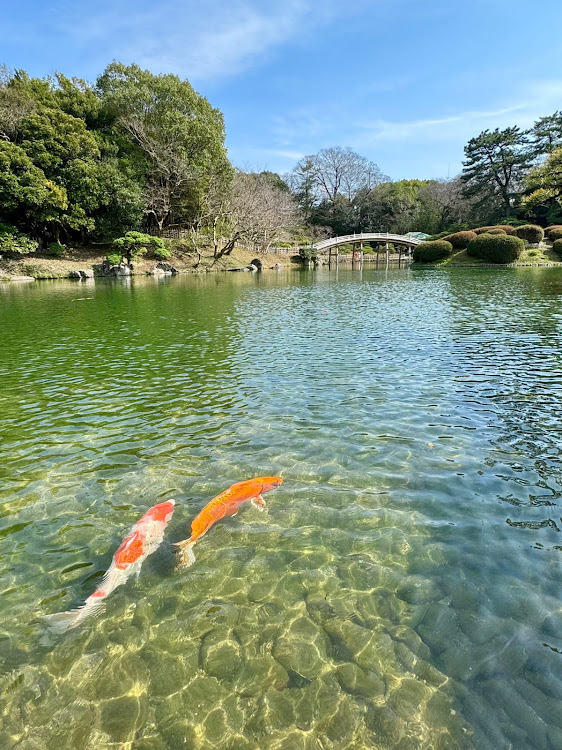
(114, 259)
(133, 245)
(554, 232)
(557, 246)
(496, 248)
(429, 252)
(507, 228)
(460, 240)
(496, 230)
(531, 233)
(482, 230)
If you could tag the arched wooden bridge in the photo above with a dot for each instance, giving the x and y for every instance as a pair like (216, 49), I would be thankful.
(351, 239)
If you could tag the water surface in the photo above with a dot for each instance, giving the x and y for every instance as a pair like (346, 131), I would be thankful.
(403, 588)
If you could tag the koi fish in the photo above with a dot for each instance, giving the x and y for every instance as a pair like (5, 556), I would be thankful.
(142, 540)
(225, 504)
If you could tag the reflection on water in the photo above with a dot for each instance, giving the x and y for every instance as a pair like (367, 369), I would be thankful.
(403, 588)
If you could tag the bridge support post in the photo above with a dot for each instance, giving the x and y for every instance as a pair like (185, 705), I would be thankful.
(387, 254)
(361, 256)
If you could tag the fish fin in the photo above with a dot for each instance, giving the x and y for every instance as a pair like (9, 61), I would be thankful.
(185, 553)
(63, 621)
(258, 502)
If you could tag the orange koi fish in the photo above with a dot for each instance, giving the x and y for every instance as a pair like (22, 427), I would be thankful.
(142, 540)
(225, 504)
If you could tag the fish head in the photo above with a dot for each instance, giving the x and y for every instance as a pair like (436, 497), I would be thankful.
(162, 512)
(270, 483)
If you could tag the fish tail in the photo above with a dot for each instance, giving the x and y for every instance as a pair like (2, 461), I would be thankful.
(63, 621)
(185, 553)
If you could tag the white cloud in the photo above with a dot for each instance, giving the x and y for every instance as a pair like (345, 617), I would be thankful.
(201, 39)
(533, 101)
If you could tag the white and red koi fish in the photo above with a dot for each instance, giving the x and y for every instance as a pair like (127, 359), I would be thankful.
(225, 504)
(142, 540)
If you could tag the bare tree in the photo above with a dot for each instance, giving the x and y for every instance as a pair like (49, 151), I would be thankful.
(334, 172)
(445, 199)
(255, 212)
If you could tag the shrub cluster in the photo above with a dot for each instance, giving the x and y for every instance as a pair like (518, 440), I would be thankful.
(554, 232)
(557, 246)
(496, 230)
(482, 230)
(507, 228)
(460, 240)
(15, 243)
(496, 248)
(429, 252)
(531, 233)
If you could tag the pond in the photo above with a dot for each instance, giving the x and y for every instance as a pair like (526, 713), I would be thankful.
(403, 588)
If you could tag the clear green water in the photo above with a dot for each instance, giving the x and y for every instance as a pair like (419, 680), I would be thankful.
(403, 588)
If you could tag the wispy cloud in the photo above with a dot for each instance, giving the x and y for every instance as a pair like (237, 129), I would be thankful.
(533, 101)
(202, 39)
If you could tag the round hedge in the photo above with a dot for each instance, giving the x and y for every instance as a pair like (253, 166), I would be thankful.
(554, 232)
(482, 230)
(557, 246)
(460, 240)
(496, 248)
(429, 252)
(531, 233)
(507, 228)
(496, 230)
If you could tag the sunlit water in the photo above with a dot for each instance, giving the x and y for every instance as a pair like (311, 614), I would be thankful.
(403, 588)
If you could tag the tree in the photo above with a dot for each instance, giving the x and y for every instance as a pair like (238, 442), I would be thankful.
(179, 137)
(27, 197)
(546, 134)
(442, 204)
(336, 171)
(543, 199)
(256, 213)
(494, 166)
(389, 207)
(133, 245)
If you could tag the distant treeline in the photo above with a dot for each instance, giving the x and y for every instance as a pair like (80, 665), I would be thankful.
(83, 162)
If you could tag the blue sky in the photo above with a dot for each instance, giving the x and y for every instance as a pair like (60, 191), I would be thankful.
(403, 82)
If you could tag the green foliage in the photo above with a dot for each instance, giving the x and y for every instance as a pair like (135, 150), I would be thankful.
(492, 248)
(114, 259)
(482, 230)
(546, 134)
(13, 243)
(496, 230)
(554, 232)
(507, 228)
(531, 233)
(162, 253)
(433, 250)
(460, 240)
(543, 195)
(308, 253)
(89, 163)
(133, 245)
(56, 249)
(495, 162)
(557, 246)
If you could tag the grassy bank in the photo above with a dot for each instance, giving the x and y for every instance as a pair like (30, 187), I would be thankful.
(40, 266)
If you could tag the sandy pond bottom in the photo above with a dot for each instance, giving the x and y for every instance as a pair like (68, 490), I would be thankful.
(403, 588)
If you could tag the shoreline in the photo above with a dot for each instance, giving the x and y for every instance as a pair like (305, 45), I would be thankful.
(89, 260)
